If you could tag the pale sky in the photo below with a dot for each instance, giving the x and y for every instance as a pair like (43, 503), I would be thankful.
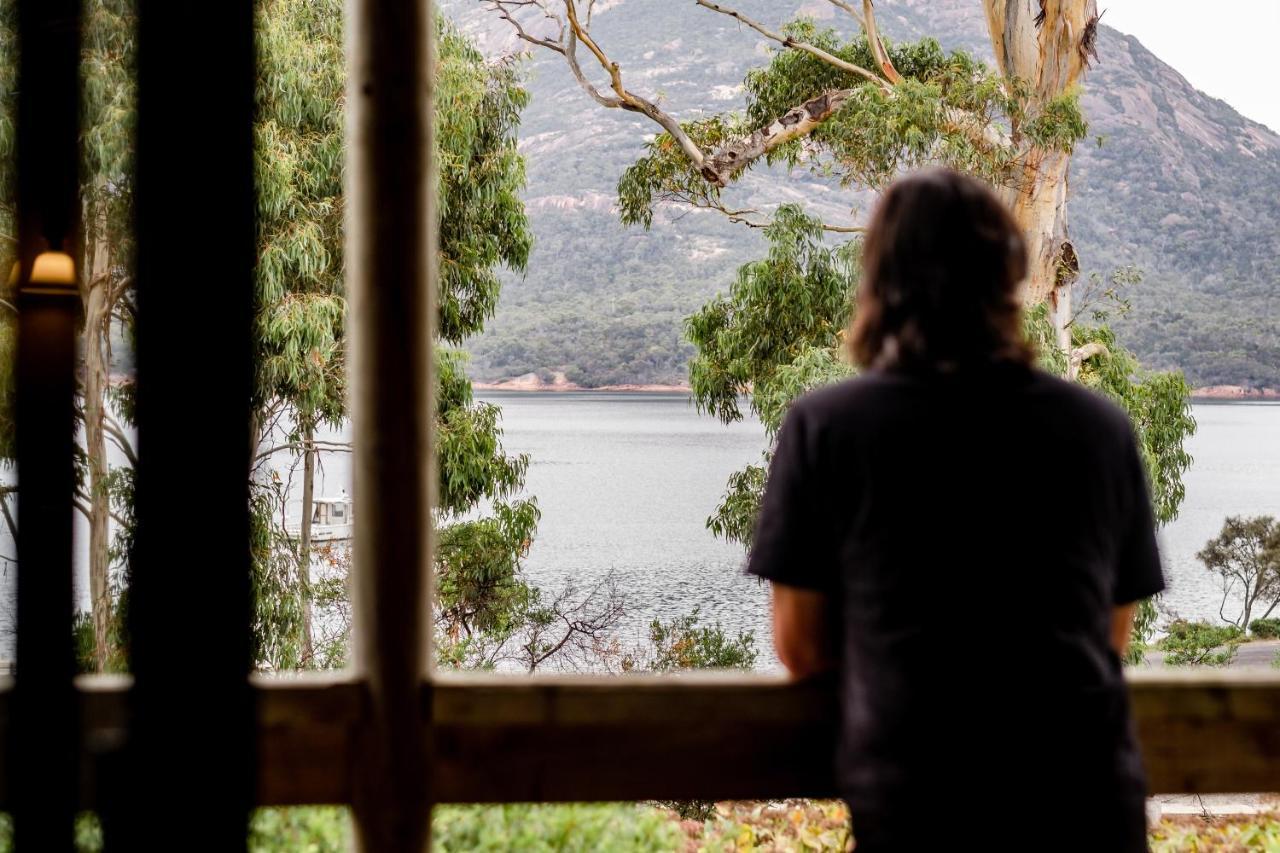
(1225, 48)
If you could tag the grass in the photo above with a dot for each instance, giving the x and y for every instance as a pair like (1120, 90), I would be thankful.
(791, 825)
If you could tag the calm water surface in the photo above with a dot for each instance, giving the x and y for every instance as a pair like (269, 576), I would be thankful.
(626, 482)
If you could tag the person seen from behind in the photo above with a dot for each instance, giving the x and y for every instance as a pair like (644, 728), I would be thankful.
(963, 539)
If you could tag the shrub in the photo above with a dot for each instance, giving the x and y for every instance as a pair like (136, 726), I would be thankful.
(1265, 629)
(563, 828)
(1200, 644)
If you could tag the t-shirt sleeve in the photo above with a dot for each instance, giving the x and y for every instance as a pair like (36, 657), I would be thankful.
(791, 546)
(1138, 573)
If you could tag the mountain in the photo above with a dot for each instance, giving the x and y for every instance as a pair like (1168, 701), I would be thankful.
(1170, 180)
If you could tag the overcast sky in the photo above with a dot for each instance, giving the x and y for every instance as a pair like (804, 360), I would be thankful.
(1226, 48)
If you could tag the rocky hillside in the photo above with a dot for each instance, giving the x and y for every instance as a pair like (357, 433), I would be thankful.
(1171, 180)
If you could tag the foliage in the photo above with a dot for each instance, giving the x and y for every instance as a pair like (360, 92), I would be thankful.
(1159, 406)
(1144, 628)
(1189, 643)
(302, 829)
(775, 335)
(790, 825)
(482, 218)
(561, 828)
(1265, 629)
(876, 135)
(1195, 834)
(604, 304)
(779, 309)
(1245, 555)
(683, 643)
(298, 155)
(302, 313)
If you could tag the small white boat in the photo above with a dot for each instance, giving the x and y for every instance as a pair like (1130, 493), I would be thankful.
(330, 520)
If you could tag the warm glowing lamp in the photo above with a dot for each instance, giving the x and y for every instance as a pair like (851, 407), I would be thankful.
(53, 270)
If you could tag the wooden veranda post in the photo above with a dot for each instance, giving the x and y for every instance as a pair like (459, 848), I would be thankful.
(187, 776)
(45, 736)
(390, 277)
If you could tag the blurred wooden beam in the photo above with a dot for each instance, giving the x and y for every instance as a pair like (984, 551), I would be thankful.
(704, 736)
(390, 257)
(190, 601)
(43, 745)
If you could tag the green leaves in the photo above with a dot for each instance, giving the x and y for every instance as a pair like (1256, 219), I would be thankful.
(1200, 644)
(665, 174)
(777, 334)
(482, 218)
(685, 643)
(1246, 557)
(1158, 404)
(797, 298)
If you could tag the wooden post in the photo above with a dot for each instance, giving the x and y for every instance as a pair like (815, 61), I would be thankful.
(189, 767)
(44, 737)
(390, 259)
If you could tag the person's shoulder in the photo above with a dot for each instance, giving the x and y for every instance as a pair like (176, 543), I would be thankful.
(840, 398)
(1087, 404)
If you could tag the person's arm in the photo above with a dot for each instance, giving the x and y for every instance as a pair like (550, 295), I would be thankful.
(1122, 627)
(803, 633)
(1138, 572)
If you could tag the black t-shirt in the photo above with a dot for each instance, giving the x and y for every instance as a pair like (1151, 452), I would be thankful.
(976, 530)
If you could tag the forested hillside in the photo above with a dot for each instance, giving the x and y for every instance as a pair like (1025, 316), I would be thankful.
(1170, 180)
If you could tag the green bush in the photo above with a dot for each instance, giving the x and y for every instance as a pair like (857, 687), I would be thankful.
(304, 829)
(1265, 629)
(1199, 643)
(567, 828)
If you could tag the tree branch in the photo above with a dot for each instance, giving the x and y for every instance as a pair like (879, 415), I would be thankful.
(854, 13)
(315, 444)
(788, 41)
(1080, 355)
(114, 431)
(8, 516)
(877, 46)
(630, 100)
(797, 122)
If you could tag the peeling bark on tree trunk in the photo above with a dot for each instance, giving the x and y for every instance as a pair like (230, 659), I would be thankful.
(1039, 205)
(97, 313)
(304, 541)
(1046, 44)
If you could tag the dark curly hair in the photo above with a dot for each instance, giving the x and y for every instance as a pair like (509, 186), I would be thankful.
(942, 263)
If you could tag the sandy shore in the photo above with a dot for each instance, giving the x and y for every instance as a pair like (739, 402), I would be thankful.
(1235, 392)
(558, 382)
(531, 382)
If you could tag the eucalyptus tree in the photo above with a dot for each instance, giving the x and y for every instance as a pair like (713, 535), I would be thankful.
(302, 312)
(860, 111)
(103, 254)
(301, 307)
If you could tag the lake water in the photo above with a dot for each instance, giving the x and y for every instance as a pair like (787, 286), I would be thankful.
(626, 482)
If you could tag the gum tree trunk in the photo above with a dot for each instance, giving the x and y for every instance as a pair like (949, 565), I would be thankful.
(304, 540)
(97, 313)
(1047, 45)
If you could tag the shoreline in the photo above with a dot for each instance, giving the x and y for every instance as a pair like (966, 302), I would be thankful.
(534, 385)
(1234, 392)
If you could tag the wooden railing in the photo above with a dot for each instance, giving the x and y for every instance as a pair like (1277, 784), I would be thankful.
(704, 736)
(192, 729)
